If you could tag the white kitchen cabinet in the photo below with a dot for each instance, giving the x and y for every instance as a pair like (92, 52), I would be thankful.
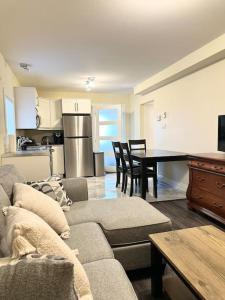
(58, 159)
(44, 113)
(25, 107)
(56, 114)
(33, 112)
(76, 106)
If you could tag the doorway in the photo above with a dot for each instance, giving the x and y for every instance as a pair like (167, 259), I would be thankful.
(147, 123)
(107, 127)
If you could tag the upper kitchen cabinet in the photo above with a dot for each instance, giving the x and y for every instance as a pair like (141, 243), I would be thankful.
(44, 115)
(76, 106)
(26, 99)
(56, 114)
(33, 112)
(49, 114)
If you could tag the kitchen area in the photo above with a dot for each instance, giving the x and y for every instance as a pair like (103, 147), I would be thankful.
(53, 137)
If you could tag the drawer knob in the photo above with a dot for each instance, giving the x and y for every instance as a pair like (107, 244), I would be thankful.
(217, 205)
(218, 168)
(200, 164)
(197, 197)
(220, 185)
(202, 179)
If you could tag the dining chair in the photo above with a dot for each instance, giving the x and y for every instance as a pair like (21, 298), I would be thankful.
(137, 145)
(134, 173)
(140, 145)
(119, 167)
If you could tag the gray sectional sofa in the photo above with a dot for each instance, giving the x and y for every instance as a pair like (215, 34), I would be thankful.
(111, 235)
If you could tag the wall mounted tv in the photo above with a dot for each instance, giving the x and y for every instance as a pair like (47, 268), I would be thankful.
(221, 133)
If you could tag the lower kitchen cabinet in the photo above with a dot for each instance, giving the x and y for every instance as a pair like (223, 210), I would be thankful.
(31, 167)
(58, 160)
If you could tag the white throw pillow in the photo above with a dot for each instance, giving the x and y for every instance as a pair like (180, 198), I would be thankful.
(27, 233)
(53, 187)
(44, 206)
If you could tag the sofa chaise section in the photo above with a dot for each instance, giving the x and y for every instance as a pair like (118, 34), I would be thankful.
(126, 224)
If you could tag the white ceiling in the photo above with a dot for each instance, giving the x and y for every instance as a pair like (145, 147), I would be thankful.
(120, 42)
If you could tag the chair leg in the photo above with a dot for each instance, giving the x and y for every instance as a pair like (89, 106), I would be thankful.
(155, 192)
(147, 189)
(136, 184)
(117, 178)
(125, 186)
(123, 182)
(131, 186)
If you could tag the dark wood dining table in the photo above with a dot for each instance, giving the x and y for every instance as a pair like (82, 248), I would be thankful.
(151, 158)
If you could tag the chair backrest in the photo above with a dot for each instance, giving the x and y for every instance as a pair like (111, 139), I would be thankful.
(125, 151)
(137, 145)
(117, 152)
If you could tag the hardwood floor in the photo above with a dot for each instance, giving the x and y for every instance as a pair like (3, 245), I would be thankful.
(181, 217)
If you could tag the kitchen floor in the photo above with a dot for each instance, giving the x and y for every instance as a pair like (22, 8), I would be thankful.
(104, 188)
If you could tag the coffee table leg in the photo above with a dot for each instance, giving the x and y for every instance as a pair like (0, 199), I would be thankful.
(157, 269)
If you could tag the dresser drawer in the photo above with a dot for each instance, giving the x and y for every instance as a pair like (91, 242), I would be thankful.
(207, 166)
(209, 182)
(202, 198)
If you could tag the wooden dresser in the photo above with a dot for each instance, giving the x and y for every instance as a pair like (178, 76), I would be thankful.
(206, 190)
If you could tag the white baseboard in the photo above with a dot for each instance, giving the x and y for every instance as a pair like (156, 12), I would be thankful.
(176, 185)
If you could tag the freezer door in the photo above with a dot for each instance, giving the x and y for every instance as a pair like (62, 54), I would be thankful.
(77, 126)
(78, 157)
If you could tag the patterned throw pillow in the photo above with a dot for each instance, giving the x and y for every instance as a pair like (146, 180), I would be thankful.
(53, 187)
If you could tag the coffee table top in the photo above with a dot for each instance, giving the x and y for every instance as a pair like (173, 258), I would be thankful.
(198, 255)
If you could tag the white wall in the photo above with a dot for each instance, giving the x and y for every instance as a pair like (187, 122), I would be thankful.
(192, 104)
(7, 82)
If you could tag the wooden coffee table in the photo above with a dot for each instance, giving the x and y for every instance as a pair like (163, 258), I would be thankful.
(197, 255)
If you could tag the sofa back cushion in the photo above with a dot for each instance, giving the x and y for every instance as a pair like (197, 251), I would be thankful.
(44, 206)
(27, 233)
(4, 201)
(8, 177)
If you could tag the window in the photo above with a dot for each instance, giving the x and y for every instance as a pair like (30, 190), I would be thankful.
(107, 128)
(9, 116)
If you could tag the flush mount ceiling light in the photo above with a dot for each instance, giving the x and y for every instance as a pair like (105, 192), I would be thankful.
(90, 83)
(25, 66)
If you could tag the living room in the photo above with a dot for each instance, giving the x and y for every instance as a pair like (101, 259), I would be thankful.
(159, 67)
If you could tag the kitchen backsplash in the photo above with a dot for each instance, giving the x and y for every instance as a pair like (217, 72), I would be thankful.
(37, 135)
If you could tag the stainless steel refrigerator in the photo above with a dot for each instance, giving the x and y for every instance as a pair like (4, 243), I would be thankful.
(78, 145)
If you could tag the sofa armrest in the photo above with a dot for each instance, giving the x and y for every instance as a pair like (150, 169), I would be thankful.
(37, 277)
(76, 189)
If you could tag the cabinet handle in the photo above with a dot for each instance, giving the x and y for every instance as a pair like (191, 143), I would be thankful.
(220, 185)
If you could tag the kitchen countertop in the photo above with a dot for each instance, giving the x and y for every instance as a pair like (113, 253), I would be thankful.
(26, 153)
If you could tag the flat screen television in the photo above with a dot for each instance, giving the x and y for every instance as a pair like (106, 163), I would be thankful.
(221, 133)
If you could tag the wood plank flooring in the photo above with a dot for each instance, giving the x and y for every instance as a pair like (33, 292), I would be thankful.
(181, 217)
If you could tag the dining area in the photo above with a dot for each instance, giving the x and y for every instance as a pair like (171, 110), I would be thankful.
(136, 164)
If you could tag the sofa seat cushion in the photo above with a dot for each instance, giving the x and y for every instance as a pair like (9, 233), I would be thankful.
(124, 221)
(109, 281)
(90, 241)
